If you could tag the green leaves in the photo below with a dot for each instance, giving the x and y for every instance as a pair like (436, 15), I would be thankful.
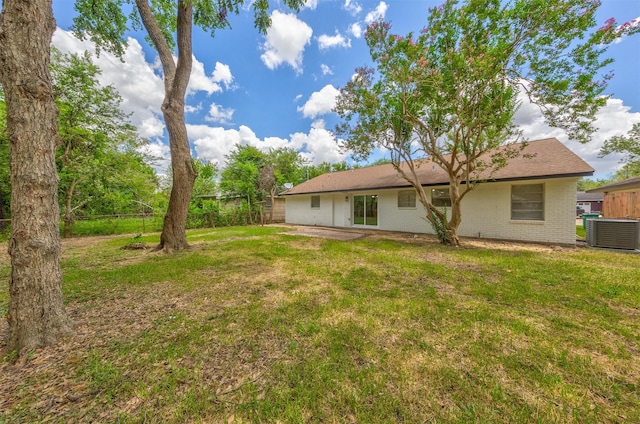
(102, 21)
(628, 145)
(454, 88)
(100, 168)
(106, 22)
(254, 175)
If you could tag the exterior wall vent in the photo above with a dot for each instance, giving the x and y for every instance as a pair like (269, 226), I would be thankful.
(613, 233)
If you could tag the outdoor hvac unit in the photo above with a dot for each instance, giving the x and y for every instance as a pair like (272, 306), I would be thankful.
(613, 233)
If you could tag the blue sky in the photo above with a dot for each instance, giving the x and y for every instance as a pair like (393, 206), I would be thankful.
(278, 90)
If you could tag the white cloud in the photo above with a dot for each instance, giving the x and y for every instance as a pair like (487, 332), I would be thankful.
(352, 7)
(356, 30)
(318, 146)
(285, 41)
(219, 114)
(193, 109)
(326, 70)
(159, 154)
(139, 85)
(378, 13)
(320, 102)
(613, 119)
(214, 143)
(151, 127)
(222, 73)
(311, 4)
(199, 81)
(318, 123)
(328, 41)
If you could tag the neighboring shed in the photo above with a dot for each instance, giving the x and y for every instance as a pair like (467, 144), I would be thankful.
(532, 199)
(278, 209)
(589, 202)
(621, 199)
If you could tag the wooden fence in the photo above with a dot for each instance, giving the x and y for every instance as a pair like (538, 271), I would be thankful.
(622, 205)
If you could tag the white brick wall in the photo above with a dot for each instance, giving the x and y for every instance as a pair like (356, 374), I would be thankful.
(298, 210)
(486, 212)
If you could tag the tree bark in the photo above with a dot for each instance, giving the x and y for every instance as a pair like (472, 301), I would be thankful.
(176, 79)
(36, 311)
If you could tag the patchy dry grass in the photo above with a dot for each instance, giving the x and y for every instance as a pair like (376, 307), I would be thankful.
(260, 325)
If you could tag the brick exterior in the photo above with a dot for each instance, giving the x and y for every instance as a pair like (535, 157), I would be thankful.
(486, 212)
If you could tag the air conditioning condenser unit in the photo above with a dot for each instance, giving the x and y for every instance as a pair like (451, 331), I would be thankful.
(613, 233)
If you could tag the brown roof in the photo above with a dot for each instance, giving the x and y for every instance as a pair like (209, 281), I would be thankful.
(589, 197)
(631, 183)
(546, 158)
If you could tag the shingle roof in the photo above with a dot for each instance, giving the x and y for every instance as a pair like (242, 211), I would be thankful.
(631, 183)
(590, 197)
(549, 158)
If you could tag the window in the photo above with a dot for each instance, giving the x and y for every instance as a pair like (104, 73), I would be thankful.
(440, 197)
(407, 199)
(315, 202)
(527, 202)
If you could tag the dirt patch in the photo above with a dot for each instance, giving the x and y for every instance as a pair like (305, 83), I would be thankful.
(347, 234)
(328, 233)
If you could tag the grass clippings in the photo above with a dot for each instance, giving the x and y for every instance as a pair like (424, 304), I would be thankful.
(260, 324)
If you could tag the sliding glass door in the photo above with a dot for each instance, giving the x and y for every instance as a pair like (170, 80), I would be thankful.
(365, 210)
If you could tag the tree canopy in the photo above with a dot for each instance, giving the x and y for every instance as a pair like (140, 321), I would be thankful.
(256, 176)
(101, 170)
(629, 146)
(450, 93)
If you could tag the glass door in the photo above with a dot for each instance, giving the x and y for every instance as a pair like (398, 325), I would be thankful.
(365, 210)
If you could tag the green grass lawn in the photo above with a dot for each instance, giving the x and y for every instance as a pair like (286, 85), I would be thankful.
(256, 325)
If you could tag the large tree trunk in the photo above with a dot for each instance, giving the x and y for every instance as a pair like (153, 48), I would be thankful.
(36, 311)
(176, 79)
(174, 233)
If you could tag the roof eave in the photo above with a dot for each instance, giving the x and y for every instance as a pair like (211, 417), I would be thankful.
(537, 177)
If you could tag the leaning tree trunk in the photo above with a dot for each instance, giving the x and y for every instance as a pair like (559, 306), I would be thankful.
(174, 233)
(176, 79)
(456, 213)
(36, 311)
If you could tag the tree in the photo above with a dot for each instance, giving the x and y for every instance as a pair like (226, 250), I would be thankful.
(450, 93)
(326, 167)
(98, 162)
(205, 183)
(283, 165)
(629, 146)
(105, 23)
(241, 175)
(257, 176)
(36, 314)
(585, 184)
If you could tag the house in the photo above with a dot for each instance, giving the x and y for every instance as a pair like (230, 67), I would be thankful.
(589, 202)
(621, 199)
(533, 198)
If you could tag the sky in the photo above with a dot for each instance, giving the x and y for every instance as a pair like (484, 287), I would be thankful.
(278, 90)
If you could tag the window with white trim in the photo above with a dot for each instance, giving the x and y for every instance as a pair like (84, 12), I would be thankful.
(440, 197)
(315, 202)
(407, 199)
(527, 202)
